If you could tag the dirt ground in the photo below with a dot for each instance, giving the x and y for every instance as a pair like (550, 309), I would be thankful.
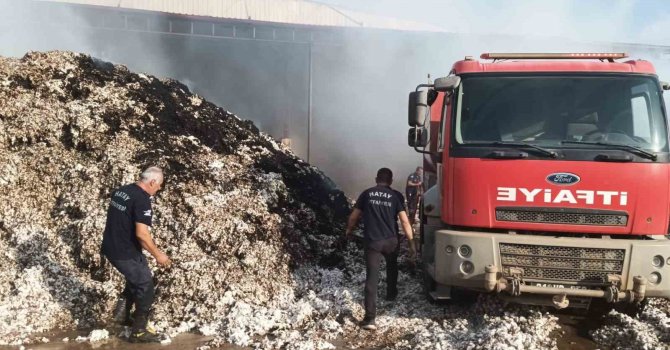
(573, 336)
(182, 341)
(575, 333)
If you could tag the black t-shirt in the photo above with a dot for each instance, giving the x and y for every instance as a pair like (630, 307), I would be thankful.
(380, 206)
(413, 177)
(129, 204)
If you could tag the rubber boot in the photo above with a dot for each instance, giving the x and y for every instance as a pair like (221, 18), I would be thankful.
(391, 294)
(368, 323)
(122, 312)
(140, 332)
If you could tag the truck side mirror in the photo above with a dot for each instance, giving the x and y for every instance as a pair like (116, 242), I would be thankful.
(418, 106)
(449, 83)
(417, 137)
(432, 96)
(665, 85)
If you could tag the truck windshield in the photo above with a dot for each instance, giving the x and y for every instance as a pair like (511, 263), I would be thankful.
(552, 111)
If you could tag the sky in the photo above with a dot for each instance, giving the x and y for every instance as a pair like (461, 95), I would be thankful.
(627, 21)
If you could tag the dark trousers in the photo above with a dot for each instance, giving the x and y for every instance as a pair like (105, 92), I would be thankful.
(374, 251)
(139, 283)
(412, 202)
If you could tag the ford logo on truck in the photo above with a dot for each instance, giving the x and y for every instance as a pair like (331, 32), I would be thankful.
(563, 179)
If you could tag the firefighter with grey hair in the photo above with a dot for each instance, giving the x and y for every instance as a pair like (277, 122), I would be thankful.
(127, 232)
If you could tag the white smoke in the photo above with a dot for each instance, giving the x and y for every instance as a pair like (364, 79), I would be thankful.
(631, 21)
(360, 83)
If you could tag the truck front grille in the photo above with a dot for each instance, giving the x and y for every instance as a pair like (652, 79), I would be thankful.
(571, 264)
(562, 216)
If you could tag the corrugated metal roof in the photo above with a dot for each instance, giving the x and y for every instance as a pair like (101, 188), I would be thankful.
(280, 11)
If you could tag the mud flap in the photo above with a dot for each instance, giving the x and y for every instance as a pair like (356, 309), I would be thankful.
(440, 292)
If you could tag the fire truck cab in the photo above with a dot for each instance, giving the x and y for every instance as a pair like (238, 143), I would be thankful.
(550, 179)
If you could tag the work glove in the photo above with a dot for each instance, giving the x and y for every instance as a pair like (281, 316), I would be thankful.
(412, 254)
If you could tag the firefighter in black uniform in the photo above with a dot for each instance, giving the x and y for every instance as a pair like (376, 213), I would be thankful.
(126, 233)
(414, 191)
(381, 207)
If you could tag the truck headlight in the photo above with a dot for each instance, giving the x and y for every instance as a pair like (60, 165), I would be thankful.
(467, 267)
(464, 251)
(655, 278)
(657, 261)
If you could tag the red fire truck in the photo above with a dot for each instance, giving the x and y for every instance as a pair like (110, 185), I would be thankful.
(550, 179)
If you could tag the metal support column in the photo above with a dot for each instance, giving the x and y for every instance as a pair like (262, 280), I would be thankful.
(309, 104)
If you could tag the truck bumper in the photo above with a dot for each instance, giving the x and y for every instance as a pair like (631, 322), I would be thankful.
(618, 270)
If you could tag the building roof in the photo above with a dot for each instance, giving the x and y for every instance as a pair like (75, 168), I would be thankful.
(301, 12)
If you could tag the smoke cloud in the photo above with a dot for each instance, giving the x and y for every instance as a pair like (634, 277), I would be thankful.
(620, 21)
(360, 81)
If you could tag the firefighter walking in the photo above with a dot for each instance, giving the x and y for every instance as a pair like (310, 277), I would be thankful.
(381, 207)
